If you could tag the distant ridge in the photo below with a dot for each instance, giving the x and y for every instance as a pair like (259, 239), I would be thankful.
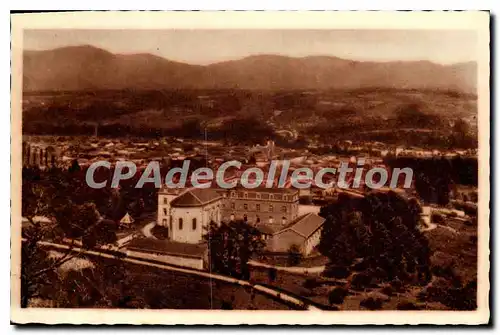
(89, 68)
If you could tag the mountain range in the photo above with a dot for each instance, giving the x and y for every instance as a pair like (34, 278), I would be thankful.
(86, 67)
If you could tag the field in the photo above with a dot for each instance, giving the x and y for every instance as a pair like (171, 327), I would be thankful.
(422, 117)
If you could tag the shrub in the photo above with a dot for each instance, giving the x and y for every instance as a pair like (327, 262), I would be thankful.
(272, 273)
(361, 280)
(160, 232)
(306, 293)
(311, 283)
(338, 272)
(388, 290)
(380, 273)
(364, 264)
(407, 306)
(371, 303)
(437, 218)
(361, 266)
(337, 295)
(397, 284)
(226, 305)
(294, 256)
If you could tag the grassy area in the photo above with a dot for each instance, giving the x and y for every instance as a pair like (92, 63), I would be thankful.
(459, 248)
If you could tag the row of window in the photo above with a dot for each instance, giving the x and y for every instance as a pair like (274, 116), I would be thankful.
(257, 207)
(269, 196)
(181, 223)
(257, 218)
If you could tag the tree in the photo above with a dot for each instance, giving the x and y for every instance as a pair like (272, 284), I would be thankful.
(272, 274)
(231, 245)
(51, 215)
(337, 295)
(294, 255)
(75, 167)
(381, 228)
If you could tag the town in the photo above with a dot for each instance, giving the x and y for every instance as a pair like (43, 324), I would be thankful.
(175, 225)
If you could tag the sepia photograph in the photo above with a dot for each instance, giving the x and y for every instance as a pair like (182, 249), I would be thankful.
(250, 168)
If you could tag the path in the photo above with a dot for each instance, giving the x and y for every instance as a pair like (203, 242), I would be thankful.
(146, 230)
(291, 269)
(262, 289)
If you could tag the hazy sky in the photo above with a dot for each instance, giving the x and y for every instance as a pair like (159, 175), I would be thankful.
(208, 46)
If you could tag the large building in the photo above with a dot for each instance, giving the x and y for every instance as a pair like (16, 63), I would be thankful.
(188, 213)
(273, 211)
(273, 206)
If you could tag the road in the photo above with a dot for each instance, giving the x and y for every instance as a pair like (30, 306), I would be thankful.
(291, 269)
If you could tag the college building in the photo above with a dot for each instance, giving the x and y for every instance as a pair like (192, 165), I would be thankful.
(187, 214)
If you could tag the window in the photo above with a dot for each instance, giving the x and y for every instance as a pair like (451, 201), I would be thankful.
(232, 205)
(194, 224)
(233, 194)
(271, 208)
(258, 195)
(283, 209)
(245, 218)
(164, 222)
(164, 211)
(180, 223)
(245, 206)
(165, 201)
(258, 219)
(246, 195)
(258, 207)
(270, 197)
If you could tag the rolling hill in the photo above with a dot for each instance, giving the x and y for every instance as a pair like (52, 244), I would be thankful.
(90, 68)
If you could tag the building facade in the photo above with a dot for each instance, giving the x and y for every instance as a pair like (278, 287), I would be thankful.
(272, 206)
